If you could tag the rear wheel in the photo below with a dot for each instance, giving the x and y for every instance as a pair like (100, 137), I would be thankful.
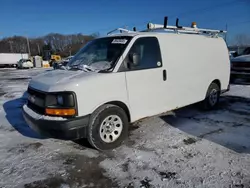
(108, 127)
(212, 97)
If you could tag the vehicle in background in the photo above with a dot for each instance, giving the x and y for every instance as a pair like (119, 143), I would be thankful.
(121, 78)
(25, 64)
(54, 59)
(240, 66)
(232, 54)
(11, 59)
(62, 63)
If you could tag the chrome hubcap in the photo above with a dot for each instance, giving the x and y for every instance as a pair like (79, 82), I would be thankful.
(111, 128)
(213, 97)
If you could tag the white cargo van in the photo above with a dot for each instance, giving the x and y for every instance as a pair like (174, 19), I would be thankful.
(121, 78)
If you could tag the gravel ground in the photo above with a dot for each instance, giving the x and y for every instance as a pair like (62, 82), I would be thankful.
(189, 148)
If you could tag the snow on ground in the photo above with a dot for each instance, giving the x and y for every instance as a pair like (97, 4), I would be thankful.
(191, 148)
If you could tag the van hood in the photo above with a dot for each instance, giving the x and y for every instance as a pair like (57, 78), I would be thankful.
(51, 80)
(242, 58)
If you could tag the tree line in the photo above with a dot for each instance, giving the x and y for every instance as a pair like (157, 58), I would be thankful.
(54, 43)
(65, 45)
(241, 40)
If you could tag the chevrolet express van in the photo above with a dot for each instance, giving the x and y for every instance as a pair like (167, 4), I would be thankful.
(121, 78)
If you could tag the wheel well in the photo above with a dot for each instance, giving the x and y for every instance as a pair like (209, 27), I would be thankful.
(217, 82)
(123, 106)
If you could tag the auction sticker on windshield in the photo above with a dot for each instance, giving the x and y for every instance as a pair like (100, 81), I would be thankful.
(119, 41)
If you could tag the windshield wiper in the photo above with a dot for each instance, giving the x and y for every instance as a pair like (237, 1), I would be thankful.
(85, 68)
(63, 68)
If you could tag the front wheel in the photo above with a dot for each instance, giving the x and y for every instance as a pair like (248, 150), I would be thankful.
(212, 97)
(108, 127)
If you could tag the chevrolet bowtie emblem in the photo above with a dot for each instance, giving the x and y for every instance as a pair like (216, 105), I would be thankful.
(32, 98)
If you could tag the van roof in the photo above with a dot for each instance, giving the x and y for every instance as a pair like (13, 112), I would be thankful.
(154, 33)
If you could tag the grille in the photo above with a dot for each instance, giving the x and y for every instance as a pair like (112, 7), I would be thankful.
(241, 70)
(241, 64)
(37, 105)
(36, 93)
(37, 109)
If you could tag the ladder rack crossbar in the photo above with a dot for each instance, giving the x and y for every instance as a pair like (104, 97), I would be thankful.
(121, 31)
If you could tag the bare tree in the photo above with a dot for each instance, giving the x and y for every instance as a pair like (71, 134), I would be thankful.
(61, 44)
(241, 40)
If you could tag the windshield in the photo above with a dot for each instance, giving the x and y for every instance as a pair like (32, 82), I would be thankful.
(100, 54)
(24, 60)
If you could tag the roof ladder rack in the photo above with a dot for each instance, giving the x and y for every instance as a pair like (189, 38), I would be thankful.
(177, 28)
(180, 29)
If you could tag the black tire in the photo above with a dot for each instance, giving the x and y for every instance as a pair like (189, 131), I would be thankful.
(96, 119)
(209, 103)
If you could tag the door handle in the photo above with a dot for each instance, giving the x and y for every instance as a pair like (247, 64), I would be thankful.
(164, 75)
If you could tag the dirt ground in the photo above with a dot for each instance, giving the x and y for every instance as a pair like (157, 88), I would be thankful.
(190, 148)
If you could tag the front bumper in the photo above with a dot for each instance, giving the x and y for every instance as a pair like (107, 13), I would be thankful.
(70, 129)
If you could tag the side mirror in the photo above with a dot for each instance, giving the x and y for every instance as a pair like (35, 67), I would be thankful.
(134, 58)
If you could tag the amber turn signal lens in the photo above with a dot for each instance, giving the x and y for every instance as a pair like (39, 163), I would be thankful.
(60, 112)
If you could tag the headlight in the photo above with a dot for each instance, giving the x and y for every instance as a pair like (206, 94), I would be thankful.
(61, 104)
(59, 100)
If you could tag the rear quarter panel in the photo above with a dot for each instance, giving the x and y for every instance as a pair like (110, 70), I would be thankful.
(192, 63)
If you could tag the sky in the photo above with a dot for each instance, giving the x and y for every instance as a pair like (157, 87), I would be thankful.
(35, 18)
